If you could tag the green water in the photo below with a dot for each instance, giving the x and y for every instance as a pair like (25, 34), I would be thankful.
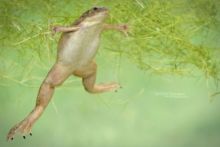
(151, 110)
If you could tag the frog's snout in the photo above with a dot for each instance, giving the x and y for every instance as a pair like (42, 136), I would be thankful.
(104, 9)
(100, 8)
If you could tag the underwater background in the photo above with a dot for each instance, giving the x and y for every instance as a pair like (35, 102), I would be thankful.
(168, 66)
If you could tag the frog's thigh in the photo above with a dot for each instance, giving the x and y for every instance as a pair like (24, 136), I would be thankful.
(58, 74)
(89, 77)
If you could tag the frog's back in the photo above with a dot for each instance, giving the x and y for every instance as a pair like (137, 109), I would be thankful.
(79, 48)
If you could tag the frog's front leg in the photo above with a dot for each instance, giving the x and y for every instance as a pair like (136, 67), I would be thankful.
(89, 77)
(120, 27)
(56, 29)
(55, 77)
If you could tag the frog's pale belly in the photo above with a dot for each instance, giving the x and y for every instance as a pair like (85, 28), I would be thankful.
(79, 48)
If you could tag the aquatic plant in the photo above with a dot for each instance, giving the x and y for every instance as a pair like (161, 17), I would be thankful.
(166, 37)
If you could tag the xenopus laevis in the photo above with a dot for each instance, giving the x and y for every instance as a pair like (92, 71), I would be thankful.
(77, 48)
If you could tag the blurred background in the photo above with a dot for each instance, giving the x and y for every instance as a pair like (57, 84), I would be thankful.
(168, 66)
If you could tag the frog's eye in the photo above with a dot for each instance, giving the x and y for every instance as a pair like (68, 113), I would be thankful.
(95, 8)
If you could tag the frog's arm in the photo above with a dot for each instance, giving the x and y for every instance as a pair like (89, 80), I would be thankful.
(121, 27)
(56, 29)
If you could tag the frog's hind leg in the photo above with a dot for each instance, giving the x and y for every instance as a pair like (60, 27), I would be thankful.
(57, 75)
(89, 77)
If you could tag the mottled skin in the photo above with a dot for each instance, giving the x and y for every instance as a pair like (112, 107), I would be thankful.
(76, 51)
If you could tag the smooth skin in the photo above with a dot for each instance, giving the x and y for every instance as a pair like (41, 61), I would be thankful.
(76, 51)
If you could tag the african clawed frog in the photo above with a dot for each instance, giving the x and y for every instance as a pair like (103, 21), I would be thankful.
(76, 50)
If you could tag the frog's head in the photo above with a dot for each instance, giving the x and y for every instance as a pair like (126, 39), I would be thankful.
(94, 16)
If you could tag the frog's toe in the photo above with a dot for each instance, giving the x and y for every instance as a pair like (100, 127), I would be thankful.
(114, 86)
(24, 137)
(23, 128)
(12, 133)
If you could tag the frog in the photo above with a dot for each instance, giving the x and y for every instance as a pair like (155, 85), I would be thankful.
(77, 47)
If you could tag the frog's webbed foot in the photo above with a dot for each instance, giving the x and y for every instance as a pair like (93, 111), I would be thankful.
(116, 86)
(23, 128)
(109, 87)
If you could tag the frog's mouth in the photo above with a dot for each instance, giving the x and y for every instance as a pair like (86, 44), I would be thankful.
(103, 8)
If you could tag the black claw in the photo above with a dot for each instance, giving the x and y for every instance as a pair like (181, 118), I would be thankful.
(30, 134)
(12, 138)
(24, 137)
